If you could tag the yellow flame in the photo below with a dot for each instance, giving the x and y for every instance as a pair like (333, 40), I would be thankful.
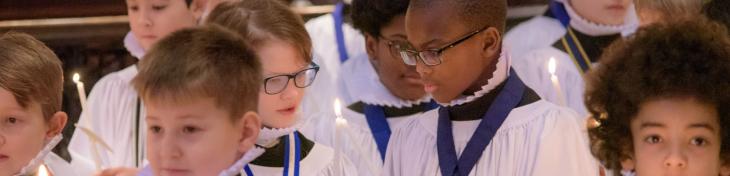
(43, 171)
(551, 65)
(76, 77)
(338, 108)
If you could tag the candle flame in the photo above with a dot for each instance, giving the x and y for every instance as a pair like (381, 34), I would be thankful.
(551, 65)
(76, 77)
(42, 171)
(338, 108)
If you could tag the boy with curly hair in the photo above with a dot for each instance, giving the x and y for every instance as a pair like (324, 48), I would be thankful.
(662, 99)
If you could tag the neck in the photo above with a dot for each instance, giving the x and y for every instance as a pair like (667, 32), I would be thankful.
(476, 109)
(274, 156)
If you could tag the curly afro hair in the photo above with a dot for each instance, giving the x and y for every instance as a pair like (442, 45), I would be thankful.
(687, 58)
(369, 16)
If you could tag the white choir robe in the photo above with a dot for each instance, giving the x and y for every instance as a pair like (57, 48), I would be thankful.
(319, 98)
(533, 70)
(538, 32)
(112, 109)
(536, 139)
(57, 166)
(321, 161)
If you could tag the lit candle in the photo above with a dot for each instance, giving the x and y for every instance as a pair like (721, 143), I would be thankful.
(556, 84)
(80, 88)
(43, 171)
(340, 125)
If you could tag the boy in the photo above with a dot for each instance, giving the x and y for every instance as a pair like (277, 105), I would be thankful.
(201, 102)
(378, 89)
(662, 99)
(31, 86)
(113, 107)
(490, 123)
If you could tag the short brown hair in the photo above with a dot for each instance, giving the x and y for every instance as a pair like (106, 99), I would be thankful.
(677, 59)
(672, 9)
(259, 21)
(206, 61)
(31, 71)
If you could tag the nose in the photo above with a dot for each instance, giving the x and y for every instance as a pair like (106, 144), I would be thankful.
(2, 140)
(422, 68)
(676, 158)
(169, 147)
(290, 91)
(145, 17)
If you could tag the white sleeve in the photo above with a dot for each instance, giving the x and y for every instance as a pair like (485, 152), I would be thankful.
(564, 139)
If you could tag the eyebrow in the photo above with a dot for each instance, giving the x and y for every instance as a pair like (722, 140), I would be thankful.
(703, 125)
(270, 73)
(651, 125)
(431, 42)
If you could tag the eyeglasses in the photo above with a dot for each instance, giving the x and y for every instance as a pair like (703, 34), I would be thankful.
(395, 47)
(276, 84)
(432, 57)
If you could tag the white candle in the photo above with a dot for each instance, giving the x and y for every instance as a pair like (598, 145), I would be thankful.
(556, 83)
(340, 125)
(80, 88)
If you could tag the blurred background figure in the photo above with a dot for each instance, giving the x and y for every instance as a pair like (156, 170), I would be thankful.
(653, 11)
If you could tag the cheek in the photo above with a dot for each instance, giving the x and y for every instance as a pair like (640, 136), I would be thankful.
(210, 159)
(169, 22)
(22, 147)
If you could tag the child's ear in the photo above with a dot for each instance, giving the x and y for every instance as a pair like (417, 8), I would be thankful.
(371, 47)
(251, 125)
(56, 124)
(492, 42)
(198, 7)
(627, 164)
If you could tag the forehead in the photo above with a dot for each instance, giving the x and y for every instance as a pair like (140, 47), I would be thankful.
(433, 24)
(676, 112)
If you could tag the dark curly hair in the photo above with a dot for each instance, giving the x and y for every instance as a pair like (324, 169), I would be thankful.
(718, 10)
(679, 59)
(369, 16)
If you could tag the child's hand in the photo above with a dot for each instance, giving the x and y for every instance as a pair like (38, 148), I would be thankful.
(118, 171)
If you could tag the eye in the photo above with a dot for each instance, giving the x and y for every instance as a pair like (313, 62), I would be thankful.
(158, 7)
(699, 141)
(133, 8)
(190, 129)
(653, 139)
(12, 120)
(155, 129)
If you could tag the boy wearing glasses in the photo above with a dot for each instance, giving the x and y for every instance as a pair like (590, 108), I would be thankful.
(378, 90)
(490, 123)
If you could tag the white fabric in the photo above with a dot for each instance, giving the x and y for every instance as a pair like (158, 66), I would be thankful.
(58, 166)
(269, 135)
(541, 31)
(538, 32)
(317, 104)
(321, 161)
(498, 76)
(533, 70)
(133, 46)
(236, 167)
(535, 139)
(111, 107)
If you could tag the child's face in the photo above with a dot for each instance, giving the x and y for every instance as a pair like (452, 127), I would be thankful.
(676, 136)
(196, 138)
(401, 80)
(277, 58)
(465, 67)
(152, 20)
(23, 132)
(610, 12)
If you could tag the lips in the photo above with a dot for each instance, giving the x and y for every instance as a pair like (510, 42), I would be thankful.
(429, 87)
(287, 111)
(616, 7)
(4, 157)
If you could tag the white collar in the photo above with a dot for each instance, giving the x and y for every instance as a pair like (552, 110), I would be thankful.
(363, 83)
(498, 76)
(133, 46)
(268, 136)
(38, 160)
(249, 156)
(631, 22)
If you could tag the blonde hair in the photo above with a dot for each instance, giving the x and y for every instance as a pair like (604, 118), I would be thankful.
(259, 21)
(31, 71)
(206, 61)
